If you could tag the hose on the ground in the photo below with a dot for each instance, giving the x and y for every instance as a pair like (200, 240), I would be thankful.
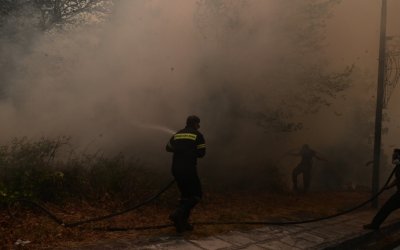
(152, 198)
(78, 223)
(272, 223)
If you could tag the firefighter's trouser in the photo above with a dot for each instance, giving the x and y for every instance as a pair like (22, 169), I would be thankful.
(190, 189)
(392, 204)
(306, 171)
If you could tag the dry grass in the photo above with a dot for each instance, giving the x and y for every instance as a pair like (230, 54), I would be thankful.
(43, 233)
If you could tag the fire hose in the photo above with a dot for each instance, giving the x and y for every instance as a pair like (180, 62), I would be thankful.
(154, 197)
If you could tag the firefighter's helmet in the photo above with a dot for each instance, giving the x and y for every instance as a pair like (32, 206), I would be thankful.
(192, 120)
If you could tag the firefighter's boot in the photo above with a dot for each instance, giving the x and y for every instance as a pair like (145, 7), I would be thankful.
(186, 224)
(177, 217)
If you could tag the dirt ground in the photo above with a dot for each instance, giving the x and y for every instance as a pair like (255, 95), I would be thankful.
(43, 233)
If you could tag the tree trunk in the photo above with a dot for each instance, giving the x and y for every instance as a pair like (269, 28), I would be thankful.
(57, 14)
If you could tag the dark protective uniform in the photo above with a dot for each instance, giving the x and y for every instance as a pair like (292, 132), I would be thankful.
(392, 204)
(304, 168)
(187, 145)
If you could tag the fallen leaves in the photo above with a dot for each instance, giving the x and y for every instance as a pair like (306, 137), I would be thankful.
(41, 232)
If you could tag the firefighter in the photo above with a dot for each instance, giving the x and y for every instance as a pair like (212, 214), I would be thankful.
(394, 201)
(304, 167)
(186, 145)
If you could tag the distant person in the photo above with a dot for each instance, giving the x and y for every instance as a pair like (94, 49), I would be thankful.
(186, 145)
(304, 167)
(394, 201)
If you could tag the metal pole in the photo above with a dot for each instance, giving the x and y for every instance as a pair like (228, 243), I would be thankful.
(379, 104)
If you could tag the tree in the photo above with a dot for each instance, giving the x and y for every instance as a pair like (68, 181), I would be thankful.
(284, 50)
(226, 14)
(57, 12)
(66, 11)
(22, 20)
(7, 6)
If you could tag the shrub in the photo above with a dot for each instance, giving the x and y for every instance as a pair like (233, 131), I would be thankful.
(40, 170)
(26, 171)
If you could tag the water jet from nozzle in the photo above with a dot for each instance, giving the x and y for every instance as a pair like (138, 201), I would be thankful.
(154, 127)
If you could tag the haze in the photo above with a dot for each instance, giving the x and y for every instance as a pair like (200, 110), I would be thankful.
(246, 69)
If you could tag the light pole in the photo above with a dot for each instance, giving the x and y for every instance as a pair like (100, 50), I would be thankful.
(379, 104)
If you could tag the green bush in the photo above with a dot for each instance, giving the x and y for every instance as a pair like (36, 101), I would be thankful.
(41, 170)
(26, 170)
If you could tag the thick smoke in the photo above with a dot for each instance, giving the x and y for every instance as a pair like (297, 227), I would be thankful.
(250, 69)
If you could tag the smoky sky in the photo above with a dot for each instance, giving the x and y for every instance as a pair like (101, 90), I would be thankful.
(120, 84)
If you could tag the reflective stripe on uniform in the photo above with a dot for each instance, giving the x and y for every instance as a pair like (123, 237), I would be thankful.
(201, 146)
(185, 136)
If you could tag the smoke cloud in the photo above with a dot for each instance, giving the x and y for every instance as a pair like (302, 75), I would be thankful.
(246, 68)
